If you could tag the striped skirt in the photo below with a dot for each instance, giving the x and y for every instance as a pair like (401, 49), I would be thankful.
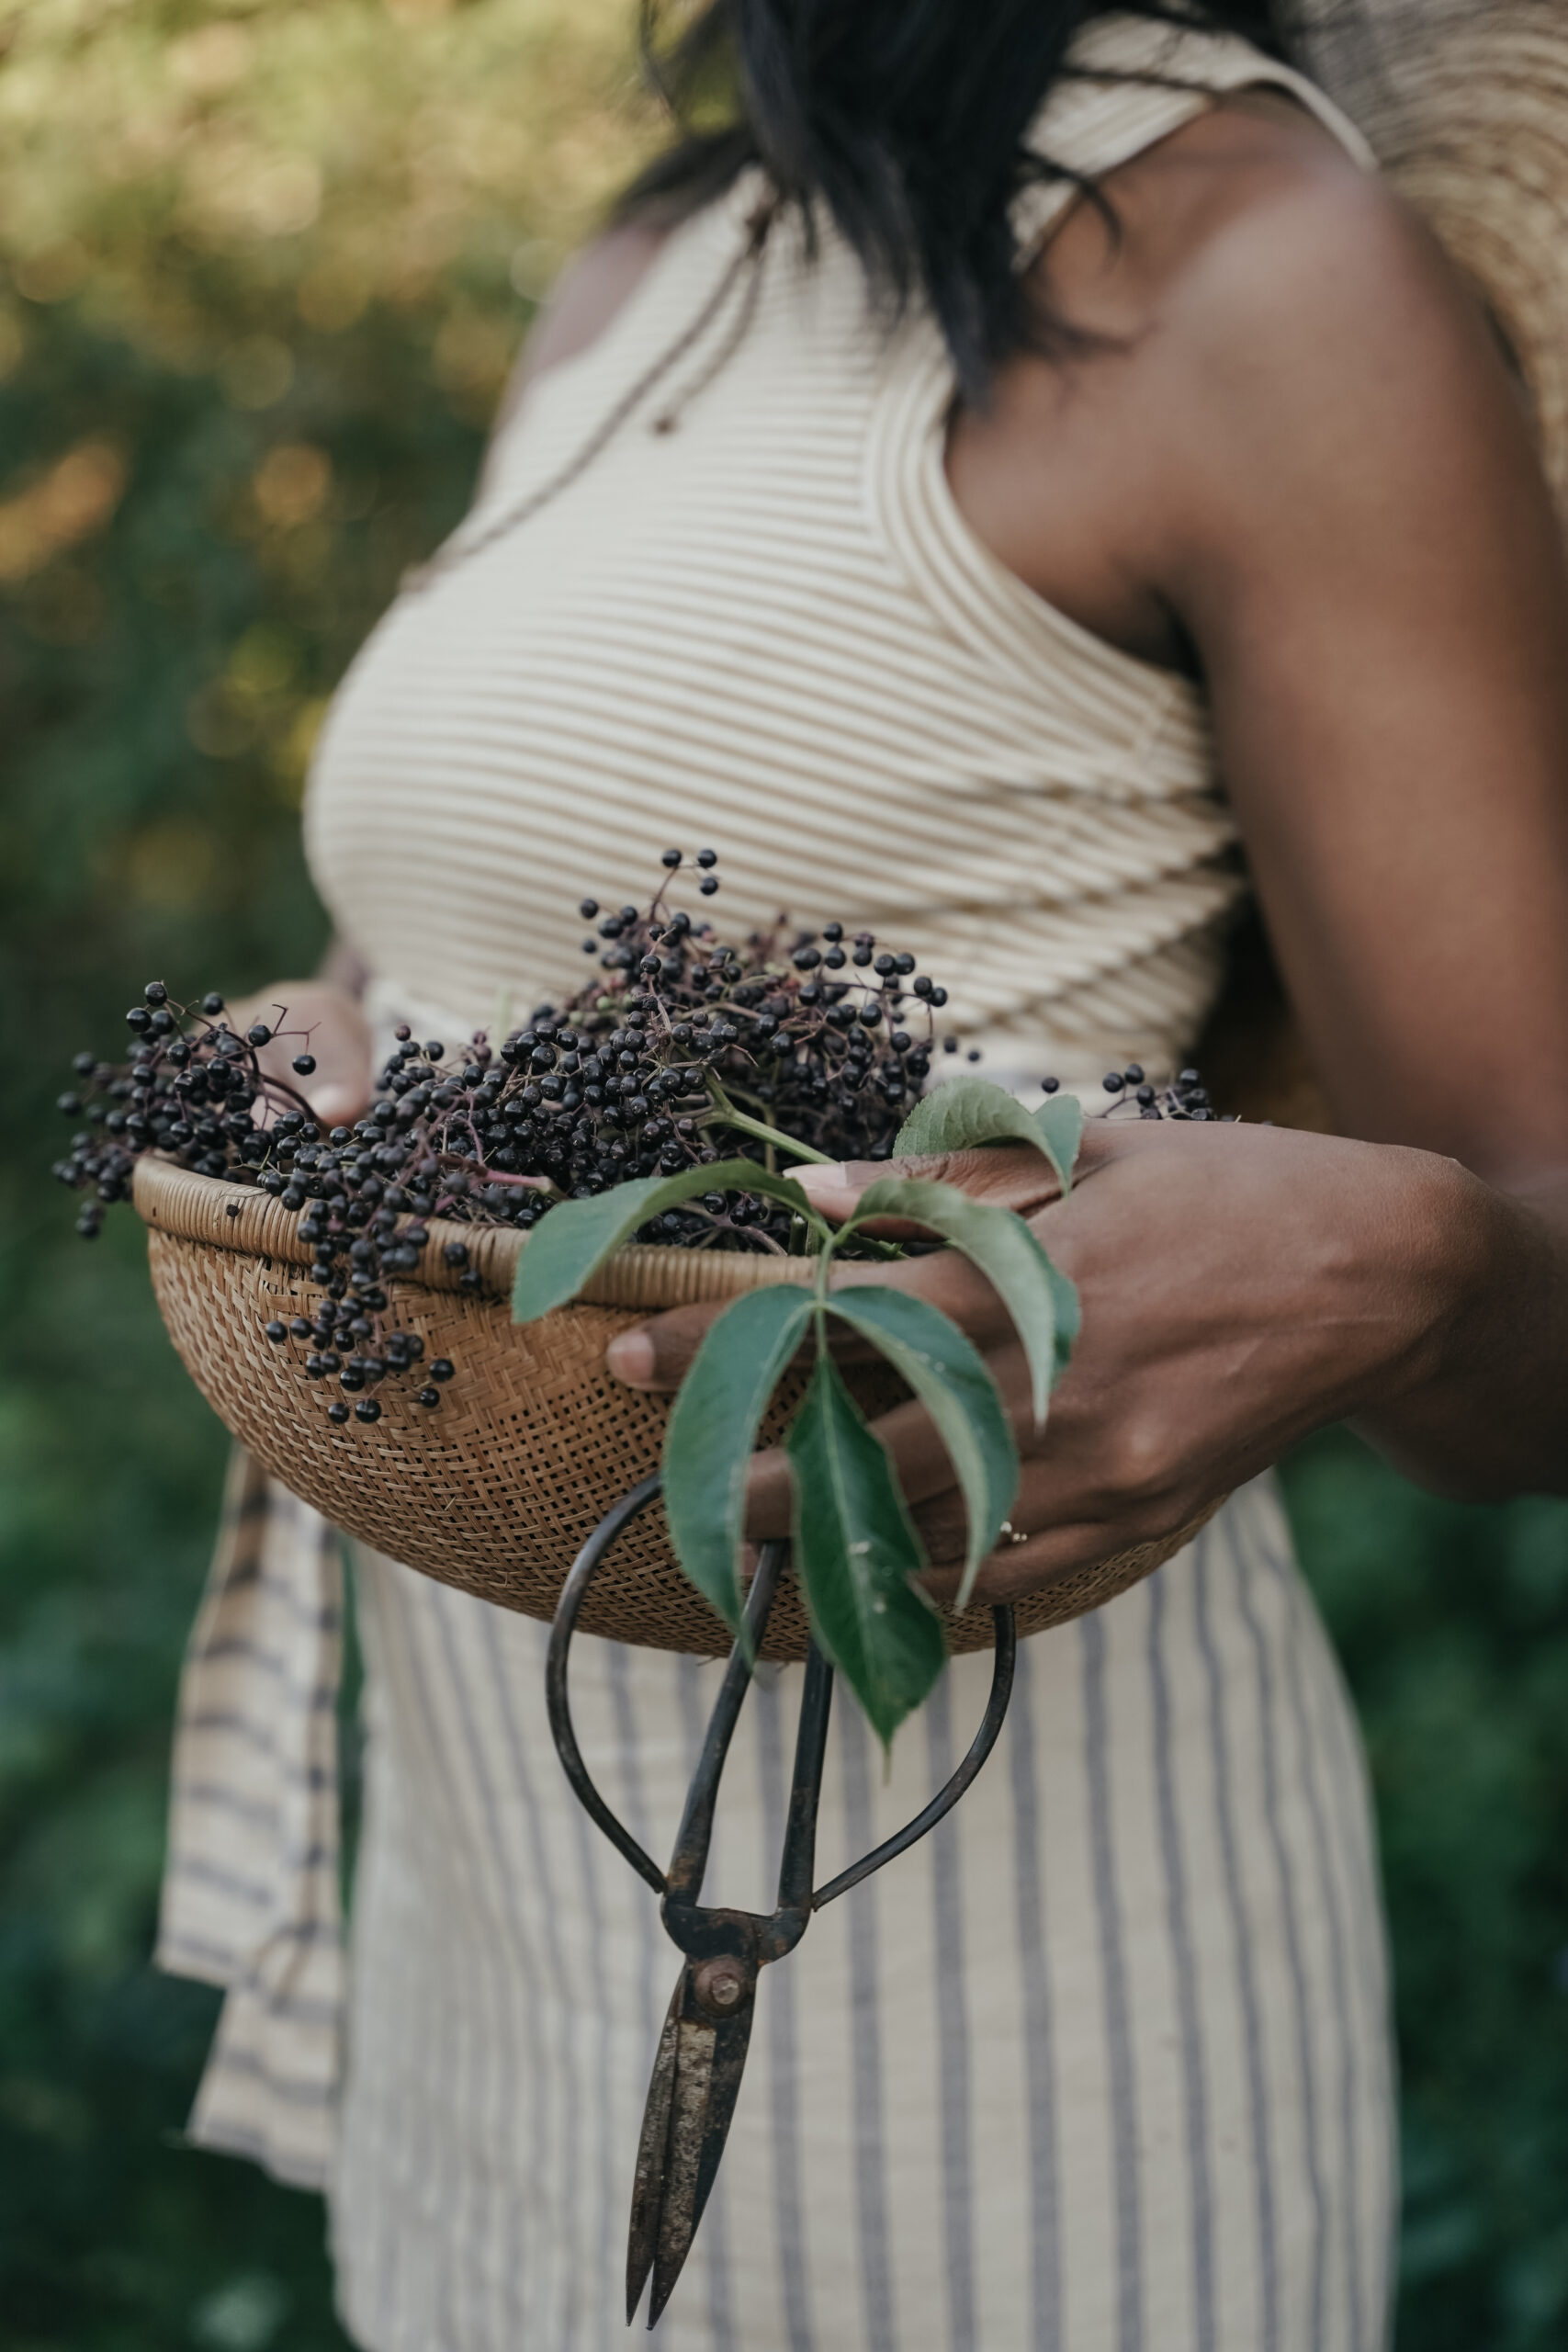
(1103, 2064)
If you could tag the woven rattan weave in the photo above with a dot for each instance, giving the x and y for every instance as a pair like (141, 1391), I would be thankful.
(497, 1491)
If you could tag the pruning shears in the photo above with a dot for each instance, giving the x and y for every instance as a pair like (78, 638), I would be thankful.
(707, 2028)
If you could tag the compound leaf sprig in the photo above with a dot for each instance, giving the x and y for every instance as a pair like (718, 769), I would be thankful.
(857, 1551)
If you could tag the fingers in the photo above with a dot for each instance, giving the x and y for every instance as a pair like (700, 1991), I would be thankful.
(1018, 1569)
(335, 1104)
(920, 1460)
(1024, 1561)
(1007, 1175)
(659, 1354)
(316, 1019)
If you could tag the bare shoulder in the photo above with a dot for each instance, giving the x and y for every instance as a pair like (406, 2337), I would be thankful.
(1327, 268)
(1251, 231)
(590, 290)
(1299, 306)
(1287, 342)
(1257, 310)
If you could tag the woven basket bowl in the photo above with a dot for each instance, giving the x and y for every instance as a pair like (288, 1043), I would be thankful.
(497, 1489)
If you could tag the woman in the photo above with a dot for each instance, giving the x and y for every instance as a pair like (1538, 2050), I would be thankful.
(1184, 455)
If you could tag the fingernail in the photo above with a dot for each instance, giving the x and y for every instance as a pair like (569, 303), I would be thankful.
(630, 1357)
(819, 1176)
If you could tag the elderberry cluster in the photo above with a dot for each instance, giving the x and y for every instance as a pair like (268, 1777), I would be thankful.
(190, 1092)
(1186, 1098)
(682, 1052)
(688, 1050)
(197, 1093)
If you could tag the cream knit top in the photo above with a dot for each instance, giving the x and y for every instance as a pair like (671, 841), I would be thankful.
(757, 620)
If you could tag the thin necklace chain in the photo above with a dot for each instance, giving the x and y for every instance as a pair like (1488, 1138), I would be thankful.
(460, 548)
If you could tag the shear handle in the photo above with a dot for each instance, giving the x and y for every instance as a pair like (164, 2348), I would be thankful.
(690, 1859)
(572, 1595)
(985, 1739)
(697, 1827)
(797, 1865)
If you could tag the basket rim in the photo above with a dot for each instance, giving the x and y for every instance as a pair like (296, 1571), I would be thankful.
(210, 1212)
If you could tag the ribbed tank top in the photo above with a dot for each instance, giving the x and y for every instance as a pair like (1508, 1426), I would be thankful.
(757, 620)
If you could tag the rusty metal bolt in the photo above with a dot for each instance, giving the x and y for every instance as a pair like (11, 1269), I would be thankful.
(719, 1986)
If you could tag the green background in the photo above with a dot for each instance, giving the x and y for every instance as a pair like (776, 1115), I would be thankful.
(264, 267)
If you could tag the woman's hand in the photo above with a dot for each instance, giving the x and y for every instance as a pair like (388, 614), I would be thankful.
(1240, 1285)
(335, 1032)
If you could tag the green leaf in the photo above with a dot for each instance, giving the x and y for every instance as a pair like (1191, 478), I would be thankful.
(962, 1112)
(1060, 1121)
(714, 1427)
(564, 1249)
(1069, 1319)
(950, 1378)
(856, 1552)
(1002, 1246)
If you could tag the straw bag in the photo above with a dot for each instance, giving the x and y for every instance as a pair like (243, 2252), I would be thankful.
(497, 1491)
(1466, 107)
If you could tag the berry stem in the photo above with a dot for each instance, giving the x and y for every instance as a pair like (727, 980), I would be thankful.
(727, 1116)
(455, 1159)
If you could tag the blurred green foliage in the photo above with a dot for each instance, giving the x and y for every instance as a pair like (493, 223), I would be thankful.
(263, 269)
(1452, 1623)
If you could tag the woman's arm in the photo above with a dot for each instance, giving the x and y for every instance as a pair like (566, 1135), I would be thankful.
(1363, 548)
(1315, 466)
(579, 307)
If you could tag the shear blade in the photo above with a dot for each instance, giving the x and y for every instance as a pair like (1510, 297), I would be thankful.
(691, 2100)
(648, 2181)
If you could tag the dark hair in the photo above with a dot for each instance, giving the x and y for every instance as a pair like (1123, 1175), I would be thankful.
(905, 121)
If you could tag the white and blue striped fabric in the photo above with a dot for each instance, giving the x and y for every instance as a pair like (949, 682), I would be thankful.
(1102, 2067)
(250, 1898)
